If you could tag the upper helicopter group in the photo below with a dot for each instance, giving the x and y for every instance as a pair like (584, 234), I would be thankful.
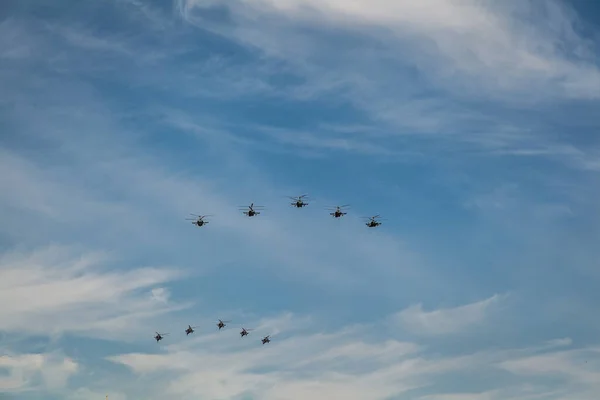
(298, 202)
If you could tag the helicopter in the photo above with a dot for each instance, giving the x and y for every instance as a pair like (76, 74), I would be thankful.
(337, 211)
(244, 332)
(190, 329)
(198, 219)
(298, 202)
(373, 221)
(222, 324)
(252, 210)
(266, 339)
(159, 336)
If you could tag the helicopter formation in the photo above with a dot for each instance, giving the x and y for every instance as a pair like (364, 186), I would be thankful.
(252, 211)
(221, 324)
(298, 202)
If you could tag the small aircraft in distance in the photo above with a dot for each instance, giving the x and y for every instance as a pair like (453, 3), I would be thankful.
(373, 221)
(266, 339)
(244, 332)
(222, 324)
(252, 210)
(190, 329)
(337, 211)
(198, 219)
(159, 336)
(298, 202)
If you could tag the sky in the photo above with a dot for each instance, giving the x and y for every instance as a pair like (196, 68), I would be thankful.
(470, 126)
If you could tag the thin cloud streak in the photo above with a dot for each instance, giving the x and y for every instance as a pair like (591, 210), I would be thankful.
(445, 321)
(56, 291)
(350, 362)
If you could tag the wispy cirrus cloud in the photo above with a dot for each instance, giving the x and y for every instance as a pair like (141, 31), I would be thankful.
(353, 362)
(473, 123)
(493, 43)
(54, 291)
(463, 53)
(445, 321)
(25, 371)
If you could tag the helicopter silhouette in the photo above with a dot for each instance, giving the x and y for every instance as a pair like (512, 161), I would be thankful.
(252, 210)
(222, 324)
(159, 336)
(244, 332)
(373, 221)
(266, 340)
(198, 220)
(190, 329)
(298, 202)
(337, 211)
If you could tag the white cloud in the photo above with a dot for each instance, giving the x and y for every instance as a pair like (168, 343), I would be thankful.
(445, 321)
(469, 28)
(563, 342)
(572, 365)
(335, 365)
(160, 295)
(56, 290)
(87, 394)
(25, 369)
(354, 363)
(493, 45)
(524, 392)
(509, 55)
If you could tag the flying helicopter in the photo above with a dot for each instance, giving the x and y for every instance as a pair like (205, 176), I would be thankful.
(198, 219)
(373, 221)
(266, 339)
(252, 210)
(159, 336)
(190, 329)
(298, 202)
(337, 211)
(222, 324)
(244, 332)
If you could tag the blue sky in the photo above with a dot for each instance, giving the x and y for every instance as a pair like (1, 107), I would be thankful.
(471, 126)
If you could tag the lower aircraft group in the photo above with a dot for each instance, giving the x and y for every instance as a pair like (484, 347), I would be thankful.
(251, 211)
(221, 324)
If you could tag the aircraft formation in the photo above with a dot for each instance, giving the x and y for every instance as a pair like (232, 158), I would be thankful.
(221, 324)
(298, 202)
(255, 210)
